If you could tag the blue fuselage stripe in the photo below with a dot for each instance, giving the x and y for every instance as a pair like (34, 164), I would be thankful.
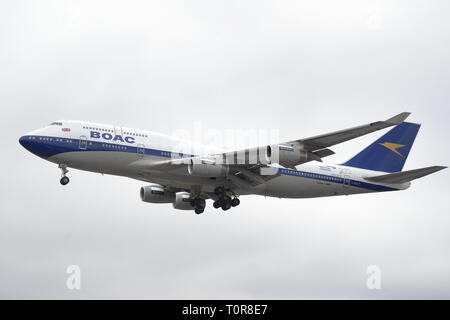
(46, 146)
(334, 179)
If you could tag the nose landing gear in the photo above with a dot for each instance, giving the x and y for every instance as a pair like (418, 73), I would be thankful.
(64, 179)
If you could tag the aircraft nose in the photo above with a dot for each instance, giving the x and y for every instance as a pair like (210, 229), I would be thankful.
(35, 146)
(26, 142)
(22, 141)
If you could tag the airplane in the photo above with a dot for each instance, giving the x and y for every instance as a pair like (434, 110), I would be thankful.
(292, 169)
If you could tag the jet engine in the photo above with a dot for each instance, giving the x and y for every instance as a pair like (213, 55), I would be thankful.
(182, 201)
(288, 156)
(156, 193)
(207, 170)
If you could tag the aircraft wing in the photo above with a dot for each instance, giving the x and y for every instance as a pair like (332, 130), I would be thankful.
(336, 137)
(244, 171)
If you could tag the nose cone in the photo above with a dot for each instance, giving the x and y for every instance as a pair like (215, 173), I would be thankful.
(36, 146)
(22, 141)
(28, 143)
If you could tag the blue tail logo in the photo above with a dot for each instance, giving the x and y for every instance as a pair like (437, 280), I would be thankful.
(388, 153)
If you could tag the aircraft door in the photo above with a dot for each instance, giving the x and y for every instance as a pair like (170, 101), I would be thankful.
(346, 181)
(345, 176)
(83, 143)
(140, 150)
(118, 130)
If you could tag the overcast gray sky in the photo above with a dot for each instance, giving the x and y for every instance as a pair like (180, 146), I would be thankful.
(300, 67)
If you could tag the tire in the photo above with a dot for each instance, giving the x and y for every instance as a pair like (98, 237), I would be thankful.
(226, 206)
(235, 202)
(199, 210)
(64, 180)
(217, 204)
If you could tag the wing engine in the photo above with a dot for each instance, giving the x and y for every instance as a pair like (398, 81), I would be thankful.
(208, 170)
(291, 156)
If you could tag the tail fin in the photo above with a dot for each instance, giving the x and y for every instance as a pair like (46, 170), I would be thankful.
(388, 153)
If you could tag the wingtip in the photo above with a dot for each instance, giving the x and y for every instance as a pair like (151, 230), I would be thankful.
(398, 118)
(437, 168)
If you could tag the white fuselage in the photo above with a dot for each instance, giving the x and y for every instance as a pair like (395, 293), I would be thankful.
(127, 152)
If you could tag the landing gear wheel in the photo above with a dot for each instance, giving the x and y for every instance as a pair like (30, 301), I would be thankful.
(217, 204)
(226, 206)
(235, 202)
(199, 210)
(226, 203)
(64, 180)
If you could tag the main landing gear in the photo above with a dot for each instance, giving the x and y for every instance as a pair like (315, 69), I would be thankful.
(224, 201)
(199, 205)
(64, 179)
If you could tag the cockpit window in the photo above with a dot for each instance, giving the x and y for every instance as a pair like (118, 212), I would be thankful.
(55, 124)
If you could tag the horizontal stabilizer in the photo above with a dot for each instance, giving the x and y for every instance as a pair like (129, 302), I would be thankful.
(404, 176)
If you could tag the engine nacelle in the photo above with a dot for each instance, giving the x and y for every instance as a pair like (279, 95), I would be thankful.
(286, 156)
(156, 193)
(208, 170)
(182, 201)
